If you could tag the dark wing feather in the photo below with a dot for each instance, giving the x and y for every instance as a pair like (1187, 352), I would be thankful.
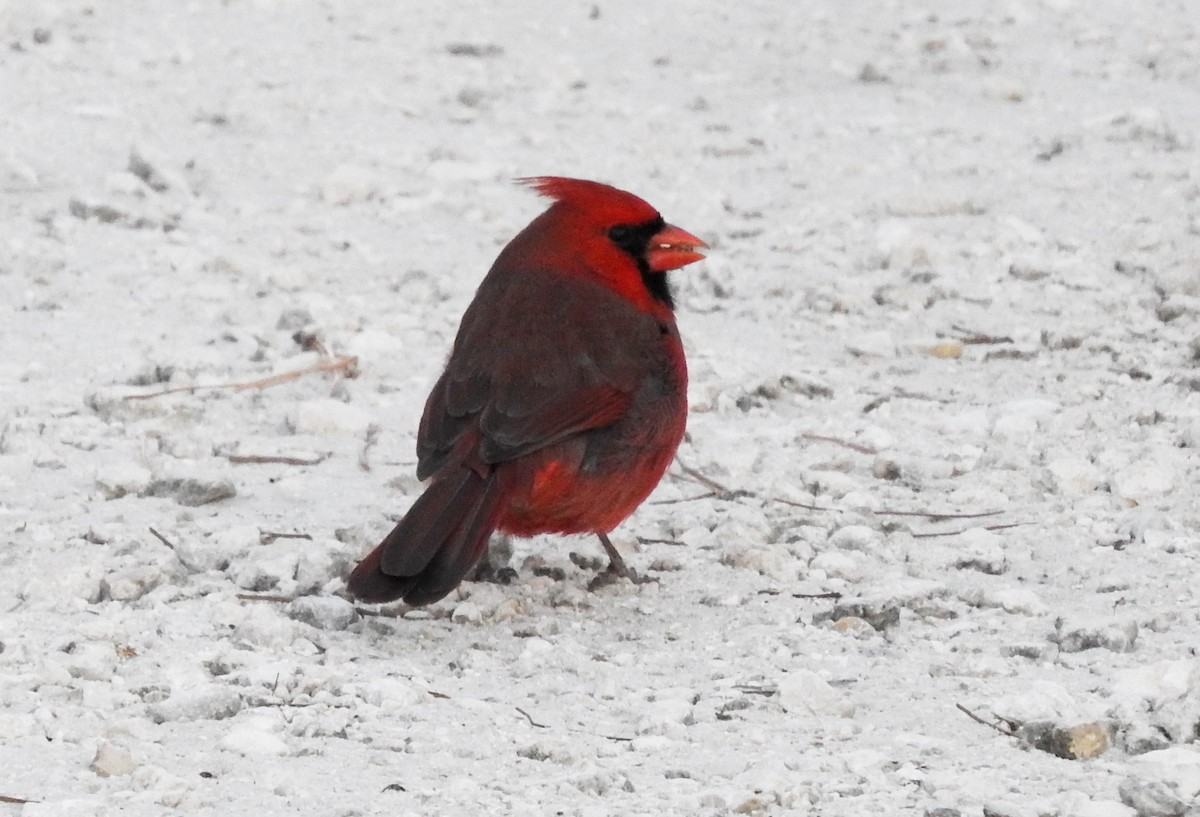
(533, 363)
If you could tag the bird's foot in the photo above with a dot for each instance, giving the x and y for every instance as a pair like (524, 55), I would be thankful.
(491, 573)
(615, 573)
(616, 570)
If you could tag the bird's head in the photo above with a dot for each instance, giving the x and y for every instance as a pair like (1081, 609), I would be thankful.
(598, 230)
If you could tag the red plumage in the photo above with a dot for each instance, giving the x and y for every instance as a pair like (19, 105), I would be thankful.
(563, 399)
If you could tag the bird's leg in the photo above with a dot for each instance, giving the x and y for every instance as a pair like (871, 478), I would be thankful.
(617, 569)
(496, 565)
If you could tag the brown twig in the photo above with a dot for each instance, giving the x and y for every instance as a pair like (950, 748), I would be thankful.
(4, 798)
(346, 364)
(364, 461)
(795, 504)
(706, 481)
(264, 597)
(971, 337)
(862, 449)
(1006, 732)
(876, 403)
(266, 537)
(932, 535)
(162, 539)
(646, 540)
(707, 495)
(529, 718)
(171, 546)
(756, 689)
(930, 515)
(832, 594)
(268, 459)
(939, 517)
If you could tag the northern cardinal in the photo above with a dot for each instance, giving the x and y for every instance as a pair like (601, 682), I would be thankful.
(564, 397)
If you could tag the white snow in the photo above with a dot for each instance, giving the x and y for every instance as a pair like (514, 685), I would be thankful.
(945, 369)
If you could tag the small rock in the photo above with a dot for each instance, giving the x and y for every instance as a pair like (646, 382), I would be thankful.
(805, 691)
(132, 583)
(854, 626)
(1176, 306)
(1159, 703)
(769, 560)
(946, 350)
(330, 418)
(879, 614)
(1001, 808)
(1151, 798)
(112, 761)
(883, 468)
(467, 613)
(323, 612)
(192, 492)
(878, 344)
(903, 248)
(392, 694)
(754, 805)
(251, 741)
(1136, 524)
(293, 320)
(95, 661)
(854, 537)
(266, 572)
(1030, 269)
(1074, 476)
(218, 551)
(148, 172)
(123, 479)
(1144, 480)
(1117, 635)
(1145, 124)
(982, 550)
(837, 565)
(663, 715)
(1178, 767)
(104, 213)
(1081, 742)
(1033, 650)
(474, 50)
(1039, 700)
(1021, 419)
(349, 184)
(320, 561)
(1099, 808)
(870, 74)
(507, 610)
(209, 702)
(1088, 740)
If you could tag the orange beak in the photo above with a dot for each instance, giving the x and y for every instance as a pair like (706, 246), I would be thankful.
(672, 248)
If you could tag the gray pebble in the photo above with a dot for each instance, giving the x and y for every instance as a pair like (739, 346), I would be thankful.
(323, 612)
(212, 702)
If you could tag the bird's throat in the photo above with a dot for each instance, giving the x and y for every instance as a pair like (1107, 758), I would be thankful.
(657, 285)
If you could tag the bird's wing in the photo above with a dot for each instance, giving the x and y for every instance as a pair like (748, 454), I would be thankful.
(534, 363)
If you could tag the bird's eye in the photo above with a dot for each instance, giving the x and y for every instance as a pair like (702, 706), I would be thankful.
(620, 234)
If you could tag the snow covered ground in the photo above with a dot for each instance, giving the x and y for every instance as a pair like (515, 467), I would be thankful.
(956, 272)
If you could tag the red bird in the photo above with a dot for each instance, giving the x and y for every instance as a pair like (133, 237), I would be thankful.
(564, 397)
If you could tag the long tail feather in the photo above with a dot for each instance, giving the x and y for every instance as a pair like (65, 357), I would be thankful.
(435, 545)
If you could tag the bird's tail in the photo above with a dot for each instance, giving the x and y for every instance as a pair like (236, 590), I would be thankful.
(437, 542)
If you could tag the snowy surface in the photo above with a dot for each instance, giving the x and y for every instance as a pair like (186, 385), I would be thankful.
(956, 270)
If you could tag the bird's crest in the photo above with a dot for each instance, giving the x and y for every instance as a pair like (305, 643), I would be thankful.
(601, 201)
